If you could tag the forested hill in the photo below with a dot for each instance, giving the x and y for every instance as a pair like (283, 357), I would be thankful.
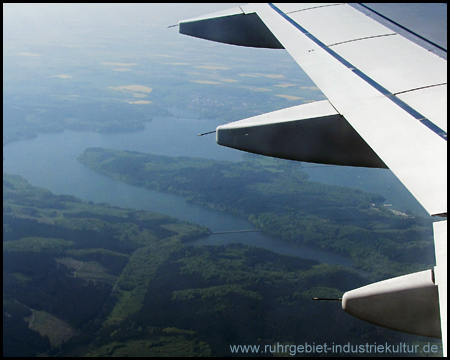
(67, 262)
(276, 196)
(85, 279)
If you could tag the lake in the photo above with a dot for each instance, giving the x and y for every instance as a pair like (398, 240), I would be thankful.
(49, 161)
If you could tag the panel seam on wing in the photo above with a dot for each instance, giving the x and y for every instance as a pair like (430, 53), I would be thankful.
(419, 88)
(334, 107)
(312, 8)
(364, 38)
(404, 27)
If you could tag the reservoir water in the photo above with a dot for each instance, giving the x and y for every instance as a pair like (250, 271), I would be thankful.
(49, 161)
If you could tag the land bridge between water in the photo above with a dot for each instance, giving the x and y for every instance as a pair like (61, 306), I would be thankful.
(234, 231)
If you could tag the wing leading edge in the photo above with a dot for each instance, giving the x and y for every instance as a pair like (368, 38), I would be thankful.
(387, 100)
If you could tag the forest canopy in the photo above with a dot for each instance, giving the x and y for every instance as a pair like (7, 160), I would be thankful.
(277, 197)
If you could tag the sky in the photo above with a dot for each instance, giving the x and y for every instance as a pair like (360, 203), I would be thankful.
(43, 29)
(99, 17)
(27, 27)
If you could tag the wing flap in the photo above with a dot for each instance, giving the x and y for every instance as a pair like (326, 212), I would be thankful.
(377, 47)
(392, 61)
(337, 24)
(294, 7)
(395, 63)
(431, 102)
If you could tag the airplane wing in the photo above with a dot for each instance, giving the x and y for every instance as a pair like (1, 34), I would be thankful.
(386, 107)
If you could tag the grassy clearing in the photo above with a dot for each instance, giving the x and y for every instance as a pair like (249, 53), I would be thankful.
(49, 325)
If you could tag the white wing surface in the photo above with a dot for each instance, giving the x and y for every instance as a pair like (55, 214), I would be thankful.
(386, 101)
(360, 71)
